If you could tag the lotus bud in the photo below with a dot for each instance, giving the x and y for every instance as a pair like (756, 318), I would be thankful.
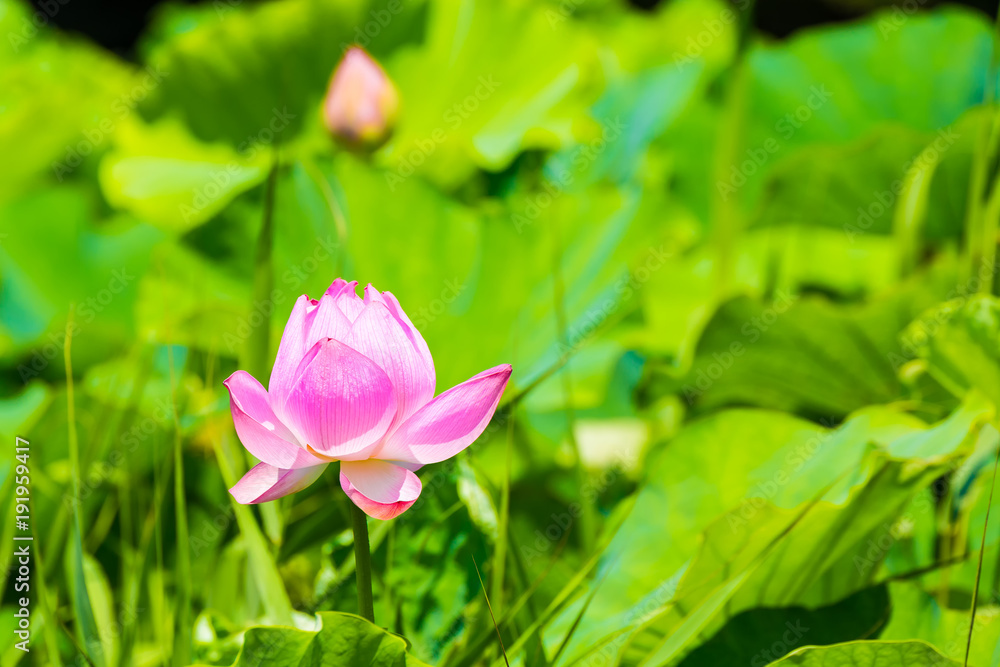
(361, 104)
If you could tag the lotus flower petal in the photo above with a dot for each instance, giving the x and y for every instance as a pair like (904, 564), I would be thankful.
(350, 303)
(342, 402)
(290, 351)
(381, 489)
(259, 429)
(449, 423)
(411, 331)
(266, 482)
(379, 336)
(329, 321)
(339, 285)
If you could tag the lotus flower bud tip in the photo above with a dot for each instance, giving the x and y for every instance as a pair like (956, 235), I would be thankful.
(361, 104)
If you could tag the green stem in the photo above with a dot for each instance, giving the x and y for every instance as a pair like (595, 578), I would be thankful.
(362, 563)
(182, 638)
(258, 352)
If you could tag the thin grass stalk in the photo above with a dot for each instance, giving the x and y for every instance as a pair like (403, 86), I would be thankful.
(86, 624)
(182, 634)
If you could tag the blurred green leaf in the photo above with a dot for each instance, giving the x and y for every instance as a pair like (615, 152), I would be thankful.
(342, 639)
(798, 355)
(60, 100)
(233, 67)
(492, 79)
(836, 85)
(960, 341)
(67, 255)
(164, 176)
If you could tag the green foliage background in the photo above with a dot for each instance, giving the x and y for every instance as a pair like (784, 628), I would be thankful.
(746, 286)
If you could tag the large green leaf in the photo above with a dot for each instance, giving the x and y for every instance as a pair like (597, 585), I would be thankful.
(759, 555)
(808, 357)
(341, 640)
(806, 354)
(491, 79)
(232, 65)
(66, 255)
(757, 549)
(60, 100)
(838, 84)
(164, 176)
(855, 187)
(699, 476)
(758, 635)
(916, 615)
(868, 654)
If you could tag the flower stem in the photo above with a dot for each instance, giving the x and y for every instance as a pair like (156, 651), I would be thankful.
(362, 563)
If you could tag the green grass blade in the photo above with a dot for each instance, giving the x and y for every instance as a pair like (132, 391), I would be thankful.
(182, 631)
(272, 588)
(83, 611)
(979, 566)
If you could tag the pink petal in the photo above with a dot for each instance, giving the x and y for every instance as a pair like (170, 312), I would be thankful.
(338, 286)
(381, 489)
(411, 331)
(449, 423)
(291, 350)
(265, 482)
(341, 404)
(260, 431)
(328, 322)
(378, 335)
(372, 295)
(348, 301)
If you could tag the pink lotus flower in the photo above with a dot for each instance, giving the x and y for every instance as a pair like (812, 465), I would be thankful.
(361, 104)
(354, 382)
